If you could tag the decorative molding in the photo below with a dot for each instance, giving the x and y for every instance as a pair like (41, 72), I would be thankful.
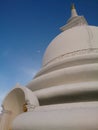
(71, 54)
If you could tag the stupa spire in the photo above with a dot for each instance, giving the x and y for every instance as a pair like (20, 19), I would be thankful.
(72, 6)
(73, 11)
(74, 20)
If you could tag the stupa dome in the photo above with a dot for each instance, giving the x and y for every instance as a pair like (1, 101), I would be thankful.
(70, 41)
(64, 93)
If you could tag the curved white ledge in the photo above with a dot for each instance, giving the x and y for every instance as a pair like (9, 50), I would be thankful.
(65, 90)
(68, 62)
(81, 73)
(78, 116)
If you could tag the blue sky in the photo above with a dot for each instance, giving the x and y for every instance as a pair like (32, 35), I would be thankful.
(26, 29)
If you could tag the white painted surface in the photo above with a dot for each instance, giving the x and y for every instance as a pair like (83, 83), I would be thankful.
(15, 100)
(70, 66)
(69, 75)
(78, 116)
(74, 39)
(67, 89)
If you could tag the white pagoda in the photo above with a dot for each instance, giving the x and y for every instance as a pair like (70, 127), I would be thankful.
(64, 93)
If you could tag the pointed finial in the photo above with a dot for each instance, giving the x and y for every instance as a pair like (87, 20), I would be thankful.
(73, 11)
(72, 6)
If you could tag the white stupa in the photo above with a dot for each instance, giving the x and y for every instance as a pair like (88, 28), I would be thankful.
(64, 94)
